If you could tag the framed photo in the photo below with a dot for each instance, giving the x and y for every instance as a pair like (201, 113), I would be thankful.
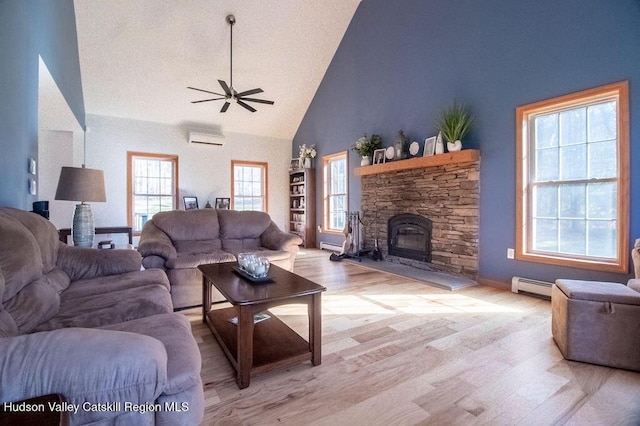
(223, 203)
(379, 157)
(429, 146)
(190, 203)
(295, 164)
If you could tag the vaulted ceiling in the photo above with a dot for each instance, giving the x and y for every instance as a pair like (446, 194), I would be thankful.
(137, 58)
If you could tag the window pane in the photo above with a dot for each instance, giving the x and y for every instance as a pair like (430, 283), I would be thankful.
(140, 186)
(166, 186)
(572, 201)
(602, 239)
(573, 236)
(166, 204)
(602, 200)
(153, 168)
(256, 204)
(256, 174)
(546, 131)
(602, 160)
(545, 234)
(166, 169)
(256, 188)
(602, 121)
(545, 200)
(246, 173)
(573, 126)
(546, 165)
(139, 167)
(573, 162)
(153, 186)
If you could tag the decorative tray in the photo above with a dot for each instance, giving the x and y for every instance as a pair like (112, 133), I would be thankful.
(250, 277)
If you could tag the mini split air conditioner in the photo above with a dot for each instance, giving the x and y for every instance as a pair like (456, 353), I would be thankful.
(206, 138)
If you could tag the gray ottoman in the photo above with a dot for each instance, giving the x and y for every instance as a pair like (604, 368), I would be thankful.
(597, 322)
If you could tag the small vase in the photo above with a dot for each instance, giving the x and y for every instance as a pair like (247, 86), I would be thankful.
(439, 147)
(307, 163)
(455, 146)
(365, 161)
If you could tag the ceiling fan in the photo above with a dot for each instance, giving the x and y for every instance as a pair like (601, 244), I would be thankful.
(230, 93)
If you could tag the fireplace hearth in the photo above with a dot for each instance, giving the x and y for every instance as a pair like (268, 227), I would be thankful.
(409, 236)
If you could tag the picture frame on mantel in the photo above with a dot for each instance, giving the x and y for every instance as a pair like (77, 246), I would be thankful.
(429, 146)
(378, 156)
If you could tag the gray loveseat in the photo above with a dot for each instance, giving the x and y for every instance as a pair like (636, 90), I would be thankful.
(90, 325)
(180, 241)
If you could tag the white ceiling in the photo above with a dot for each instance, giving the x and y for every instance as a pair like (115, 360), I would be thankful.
(137, 58)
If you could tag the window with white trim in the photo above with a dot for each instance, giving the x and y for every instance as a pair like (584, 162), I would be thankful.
(573, 161)
(152, 186)
(248, 185)
(335, 184)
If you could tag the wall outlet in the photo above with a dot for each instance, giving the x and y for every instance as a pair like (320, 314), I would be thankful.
(510, 253)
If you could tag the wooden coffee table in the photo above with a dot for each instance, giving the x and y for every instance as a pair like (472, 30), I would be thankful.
(269, 344)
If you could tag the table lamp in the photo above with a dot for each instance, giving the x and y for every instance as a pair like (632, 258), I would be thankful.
(82, 184)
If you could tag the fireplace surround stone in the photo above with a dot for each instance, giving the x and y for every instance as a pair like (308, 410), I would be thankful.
(447, 195)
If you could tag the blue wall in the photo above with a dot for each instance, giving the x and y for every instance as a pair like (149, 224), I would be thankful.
(29, 28)
(401, 61)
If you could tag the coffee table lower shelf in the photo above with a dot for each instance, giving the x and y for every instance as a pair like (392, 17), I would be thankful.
(275, 345)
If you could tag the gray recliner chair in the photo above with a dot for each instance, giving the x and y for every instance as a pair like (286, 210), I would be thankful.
(597, 322)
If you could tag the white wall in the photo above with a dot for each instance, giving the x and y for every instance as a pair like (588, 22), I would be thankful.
(57, 148)
(204, 171)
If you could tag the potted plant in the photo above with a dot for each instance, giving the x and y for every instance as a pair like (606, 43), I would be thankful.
(454, 123)
(365, 146)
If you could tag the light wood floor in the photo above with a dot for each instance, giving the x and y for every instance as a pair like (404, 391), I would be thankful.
(399, 352)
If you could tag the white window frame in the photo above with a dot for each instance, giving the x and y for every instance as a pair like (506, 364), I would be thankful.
(264, 196)
(326, 191)
(131, 156)
(524, 205)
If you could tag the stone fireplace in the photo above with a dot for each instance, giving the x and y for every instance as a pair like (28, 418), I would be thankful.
(409, 237)
(446, 199)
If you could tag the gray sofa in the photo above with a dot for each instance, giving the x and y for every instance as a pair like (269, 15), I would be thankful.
(90, 325)
(180, 241)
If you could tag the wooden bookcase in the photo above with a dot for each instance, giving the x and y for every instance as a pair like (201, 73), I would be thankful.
(302, 202)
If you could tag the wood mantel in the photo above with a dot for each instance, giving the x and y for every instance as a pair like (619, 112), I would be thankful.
(464, 156)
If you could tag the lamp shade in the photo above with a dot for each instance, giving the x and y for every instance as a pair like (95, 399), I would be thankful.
(81, 184)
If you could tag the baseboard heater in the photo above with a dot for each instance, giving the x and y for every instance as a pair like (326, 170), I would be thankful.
(527, 285)
(331, 247)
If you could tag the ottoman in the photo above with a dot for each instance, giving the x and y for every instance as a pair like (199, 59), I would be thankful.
(597, 322)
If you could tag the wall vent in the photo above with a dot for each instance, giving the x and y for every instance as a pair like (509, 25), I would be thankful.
(206, 138)
(527, 285)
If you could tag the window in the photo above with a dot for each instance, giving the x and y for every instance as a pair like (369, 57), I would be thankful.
(152, 186)
(334, 194)
(573, 174)
(249, 185)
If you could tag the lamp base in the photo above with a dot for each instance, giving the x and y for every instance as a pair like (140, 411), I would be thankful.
(83, 230)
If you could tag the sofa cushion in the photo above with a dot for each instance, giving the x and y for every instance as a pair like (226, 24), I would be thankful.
(597, 291)
(196, 246)
(44, 232)
(188, 260)
(38, 301)
(100, 285)
(182, 225)
(8, 326)
(20, 257)
(174, 331)
(112, 307)
(240, 225)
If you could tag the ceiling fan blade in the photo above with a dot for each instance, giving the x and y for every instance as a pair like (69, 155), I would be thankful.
(250, 92)
(207, 100)
(249, 107)
(225, 87)
(205, 91)
(225, 107)
(261, 101)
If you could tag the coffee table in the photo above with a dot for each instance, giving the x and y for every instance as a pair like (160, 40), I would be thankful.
(257, 348)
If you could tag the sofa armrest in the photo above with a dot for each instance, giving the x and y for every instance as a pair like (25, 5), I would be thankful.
(274, 238)
(80, 263)
(634, 284)
(154, 242)
(86, 366)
